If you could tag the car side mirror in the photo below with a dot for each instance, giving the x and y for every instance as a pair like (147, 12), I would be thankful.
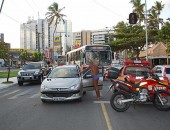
(44, 77)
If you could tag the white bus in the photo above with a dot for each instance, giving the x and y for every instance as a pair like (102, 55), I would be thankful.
(99, 54)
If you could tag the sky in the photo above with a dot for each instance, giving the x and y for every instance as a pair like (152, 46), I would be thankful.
(84, 14)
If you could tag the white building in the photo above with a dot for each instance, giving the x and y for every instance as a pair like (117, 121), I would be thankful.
(37, 35)
(34, 35)
(98, 36)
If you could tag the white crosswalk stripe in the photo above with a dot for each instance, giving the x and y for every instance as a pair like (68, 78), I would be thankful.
(7, 94)
(20, 94)
(3, 91)
(35, 95)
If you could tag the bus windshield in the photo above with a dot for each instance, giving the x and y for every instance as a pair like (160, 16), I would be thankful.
(102, 58)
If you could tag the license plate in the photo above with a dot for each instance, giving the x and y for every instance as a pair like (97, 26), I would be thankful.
(26, 78)
(58, 98)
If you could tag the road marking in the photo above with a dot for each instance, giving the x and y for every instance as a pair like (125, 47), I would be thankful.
(20, 94)
(10, 93)
(107, 102)
(106, 117)
(3, 91)
(35, 95)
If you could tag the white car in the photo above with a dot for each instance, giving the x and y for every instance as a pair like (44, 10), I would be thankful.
(65, 83)
(162, 71)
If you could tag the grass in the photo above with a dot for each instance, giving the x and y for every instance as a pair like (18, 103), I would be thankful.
(5, 74)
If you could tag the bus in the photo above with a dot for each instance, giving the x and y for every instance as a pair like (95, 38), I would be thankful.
(100, 54)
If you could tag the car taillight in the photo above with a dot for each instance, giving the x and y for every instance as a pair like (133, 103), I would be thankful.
(164, 73)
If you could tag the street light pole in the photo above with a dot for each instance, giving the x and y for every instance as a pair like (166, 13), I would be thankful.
(146, 29)
(1, 5)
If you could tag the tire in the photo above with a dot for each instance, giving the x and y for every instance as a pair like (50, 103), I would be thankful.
(20, 83)
(165, 96)
(44, 101)
(79, 100)
(117, 106)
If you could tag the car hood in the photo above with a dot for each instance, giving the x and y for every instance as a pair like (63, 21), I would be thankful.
(60, 82)
(30, 70)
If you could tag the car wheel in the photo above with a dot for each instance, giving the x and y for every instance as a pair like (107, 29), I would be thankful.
(20, 83)
(44, 101)
(79, 100)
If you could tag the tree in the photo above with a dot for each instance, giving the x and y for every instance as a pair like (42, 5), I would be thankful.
(37, 56)
(23, 56)
(129, 37)
(4, 51)
(164, 35)
(158, 7)
(54, 16)
(138, 8)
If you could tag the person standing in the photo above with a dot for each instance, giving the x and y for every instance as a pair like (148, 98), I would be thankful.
(94, 71)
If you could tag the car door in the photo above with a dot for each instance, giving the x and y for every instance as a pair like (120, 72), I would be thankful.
(88, 80)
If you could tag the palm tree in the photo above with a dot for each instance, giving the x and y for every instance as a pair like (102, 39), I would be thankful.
(54, 15)
(139, 9)
(158, 8)
(153, 24)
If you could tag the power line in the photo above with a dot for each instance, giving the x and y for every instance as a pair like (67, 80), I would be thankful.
(108, 9)
(20, 23)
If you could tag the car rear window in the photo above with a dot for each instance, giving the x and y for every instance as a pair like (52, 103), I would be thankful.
(138, 71)
(167, 70)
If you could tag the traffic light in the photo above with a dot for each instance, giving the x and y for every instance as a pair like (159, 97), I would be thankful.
(133, 18)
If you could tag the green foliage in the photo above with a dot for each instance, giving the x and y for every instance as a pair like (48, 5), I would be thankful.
(5, 74)
(54, 14)
(37, 56)
(4, 51)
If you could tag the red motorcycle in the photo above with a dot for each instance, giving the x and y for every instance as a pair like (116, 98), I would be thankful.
(149, 89)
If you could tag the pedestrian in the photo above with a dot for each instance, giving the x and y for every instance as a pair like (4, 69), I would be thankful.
(94, 71)
(82, 66)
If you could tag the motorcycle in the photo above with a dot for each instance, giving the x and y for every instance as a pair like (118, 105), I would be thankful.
(149, 89)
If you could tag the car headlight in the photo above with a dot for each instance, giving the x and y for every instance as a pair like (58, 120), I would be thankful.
(36, 72)
(19, 73)
(74, 87)
(44, 88)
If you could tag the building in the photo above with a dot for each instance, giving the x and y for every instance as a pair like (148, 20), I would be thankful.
(90, 37)
(2, 37)
(156, 54)
(36, 35)
(99, 36)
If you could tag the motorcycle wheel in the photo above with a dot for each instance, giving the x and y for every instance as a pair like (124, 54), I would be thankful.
(116, 104)
(165, 97)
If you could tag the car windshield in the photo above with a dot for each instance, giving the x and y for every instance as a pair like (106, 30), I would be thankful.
(32, 66)
(65, 72)
(138, 71)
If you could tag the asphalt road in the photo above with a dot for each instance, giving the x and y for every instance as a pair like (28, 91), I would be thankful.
(22, 109)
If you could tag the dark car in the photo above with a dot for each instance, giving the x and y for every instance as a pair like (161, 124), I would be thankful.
(30, 72)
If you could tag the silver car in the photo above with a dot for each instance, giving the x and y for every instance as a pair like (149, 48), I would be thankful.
(162, 71)
(65, 83)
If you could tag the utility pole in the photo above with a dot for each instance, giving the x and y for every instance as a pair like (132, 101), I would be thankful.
(1, 5)
(146, 31)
